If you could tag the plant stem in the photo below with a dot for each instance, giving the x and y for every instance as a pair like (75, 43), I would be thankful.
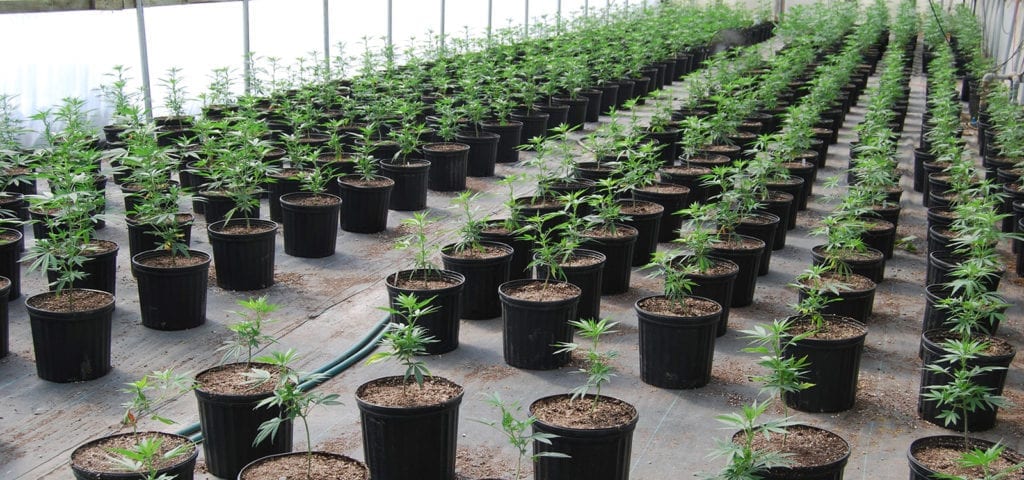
(309, 450)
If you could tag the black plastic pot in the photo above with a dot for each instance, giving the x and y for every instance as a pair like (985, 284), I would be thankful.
(618, 252)
(918, 471)
(676, 351)
(981, 418)
(281, 185)
(689, 177)
(518, 268)
(935, 318)
(229, 424)
(443, 323)
(71, 346)
(244, 261)
(792, 190)
(141, 237)
(588, 278)
(626, 92)
(310, 231)
(535, 124)
(808, 171)
(609, 97)
(172, 298)
(576, 116)
(449, 163)
(557, 114)
(364, 208)
(483, 152)
(941, 266)
(749, 260)
(217, 207)
(410, 190)
(647, 226)
(668, 140)
(833, 372)
(673, 198)
(780, 204)
(717, 287)
(855, 304)
(183, 470)
(873, 268)
(593, 454)
(531, 329)
(321, 461)
(483, 276)
(881, 238)
(765, 231)
(5, 286)
(509, 139)
(100, 270)
(409, 443)
(594, 102)
(10, 254)
(829, 471)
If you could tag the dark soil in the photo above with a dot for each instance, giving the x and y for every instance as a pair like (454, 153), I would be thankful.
(486, 251)
(293, 467)
(580, 261)
(831, 330)
(395, 392)
(945, 459)
(8, 236)
(420, 281)
(849, 283)
(287, 173)
(445, 147)
(996, 346)
(562, 411)
(96, 457)
(99, 247)
(806, 446)
(539, 291)
(666, 188)
(691, 307)
(621, 231)
(717, 267)
(540, 202)
(849, 255)
(313, 200)
(641, 208)
(71, 301)
(756, 220)
(686, 170)
(241, 227)
(176, 261)
(375, 182)
(738, 243)
(230, 380)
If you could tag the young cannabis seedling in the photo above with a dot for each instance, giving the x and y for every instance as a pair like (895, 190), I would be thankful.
(784, 372)
(418, 241)
(149, 392)
(598, 368)
(744, 462)
(983, 460)
(405, 340)
(962, 395)
(516, 432)
(248, 329)
(145, 456)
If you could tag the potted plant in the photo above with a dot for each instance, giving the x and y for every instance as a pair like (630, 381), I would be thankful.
(443, 288)
(611, 237)
(227, 398)
(483, 145)
(409, 422)
(143, 455)
(449, 160)
(172, 282)
(594, 433)
(409, 174)
(712, 277)
(518, 433)
(311, 217)
(677, 329)
(364, 194)
(485, 265)
(294, 402)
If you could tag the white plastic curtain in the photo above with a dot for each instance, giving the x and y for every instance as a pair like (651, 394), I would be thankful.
(50, 56)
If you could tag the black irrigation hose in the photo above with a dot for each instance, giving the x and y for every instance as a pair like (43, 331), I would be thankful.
(331, 369)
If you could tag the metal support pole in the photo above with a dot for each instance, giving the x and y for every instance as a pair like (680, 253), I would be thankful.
(147, 92)
(586, 7)
(390, 22)
(558, 18)
(443, 11)
(526, 19)
(490, 19)
(246, 50)
(327, 41)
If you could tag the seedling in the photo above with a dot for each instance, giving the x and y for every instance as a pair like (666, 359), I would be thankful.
(471, 231)
(145, 456)
(149, 392)
(516, 432)
(784, 372)
(678, 281)
(248, 329)
(983, 460)
(744, 462)
(423, 249)
(962, 395)
(405, 340)
(597, 364)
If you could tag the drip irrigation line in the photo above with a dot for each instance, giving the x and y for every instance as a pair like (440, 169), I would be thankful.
(329, 370)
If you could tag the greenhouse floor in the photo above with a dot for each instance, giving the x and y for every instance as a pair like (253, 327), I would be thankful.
(327, 305)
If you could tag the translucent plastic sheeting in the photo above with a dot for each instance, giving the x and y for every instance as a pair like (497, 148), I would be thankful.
(50, 56)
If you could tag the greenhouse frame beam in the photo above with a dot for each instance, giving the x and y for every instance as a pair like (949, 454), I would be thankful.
(36, 6)
(147, 90)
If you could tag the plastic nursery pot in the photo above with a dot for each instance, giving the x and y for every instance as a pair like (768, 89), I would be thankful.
(5, 287)
(310, 224)
(535, 124)
(443, 323)
(677, 351)
(71, 345)
(980, 419)
(171, 297)
(410, 443)
(585, 270)
(449, 163)
(341, 466)
(834, 369)
(483, 273)
(919, 470)
(935, 318)
(533, 325)
(855, 303)
(141, 236)
(12, 242)
(364, 205)
(410, 190)
(519, 266)
(645, 217)
(832, 470)
(483, 152)
(717, 284)
(230, 422)
(182, 470)
(618, 252)
(509, 137)
(243, 253)
(594, 453)
(746, 255)
(218, 206)
(870, 263)
(100, 269)
(762, 226)
(940, 270)
(673, 198)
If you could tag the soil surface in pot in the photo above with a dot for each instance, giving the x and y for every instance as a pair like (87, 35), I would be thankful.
(848, 283)
(738, 243)
(580, 261)
(946, 459)
(172, 261)
(829, 330)
(312, 200)
(665, 188)
(486, 251)
(446, 147)
(240, 227)
(805, 446)
(541, 202)
(543, 292)
(685, 171)
(8, 237)
(71, 301)
(422, 282)
(849, 255)
(96, 457)
(324, 467)
(605, 232)
(565, 412)
(374, 182)
(395, 392)
(641, 208)
(97, 247)
(717, 267)
(689, 307)
(230, 379)
(996, 346)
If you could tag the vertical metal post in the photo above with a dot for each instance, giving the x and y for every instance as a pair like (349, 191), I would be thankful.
(526, 19)
(246, 51)
(390, 22)
(327, 41)
(490, 19)
(586, 8)
(443, 10)
(147, 92)
(558, 18)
